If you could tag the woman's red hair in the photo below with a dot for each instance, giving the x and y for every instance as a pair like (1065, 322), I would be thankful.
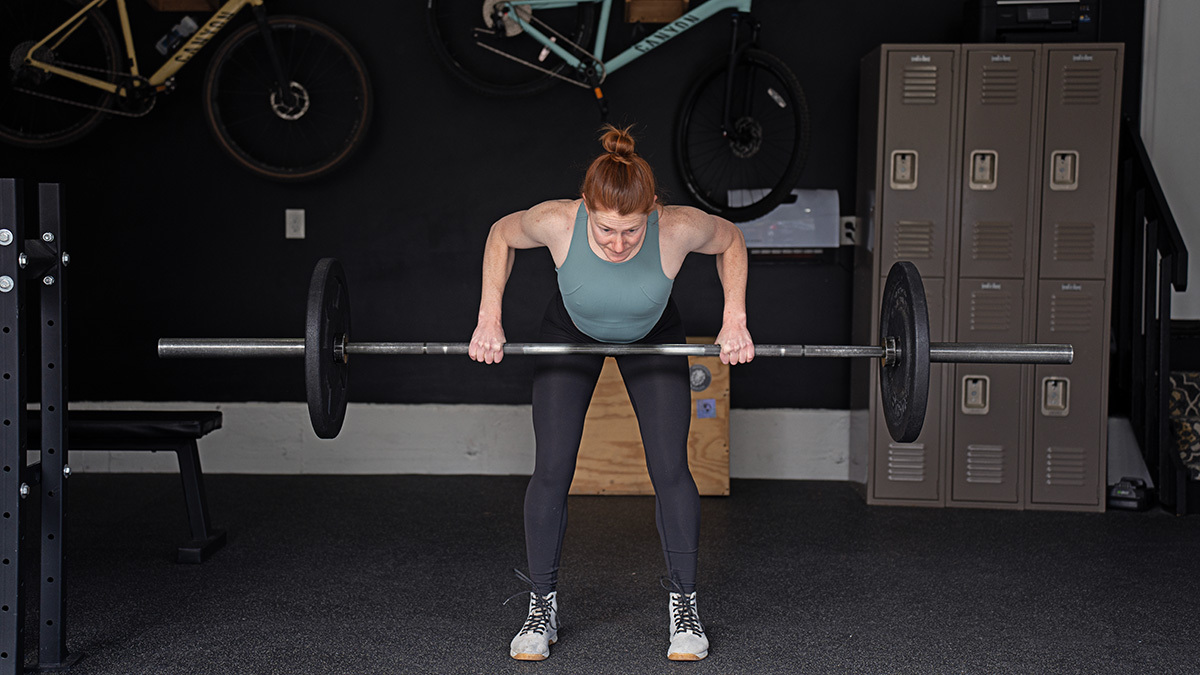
(619, 179)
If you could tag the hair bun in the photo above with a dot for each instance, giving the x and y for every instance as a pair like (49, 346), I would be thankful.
(618, 143)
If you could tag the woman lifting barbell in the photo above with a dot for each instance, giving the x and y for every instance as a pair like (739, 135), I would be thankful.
(617, 252)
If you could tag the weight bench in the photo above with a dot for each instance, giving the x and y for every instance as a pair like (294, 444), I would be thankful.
(152, 430)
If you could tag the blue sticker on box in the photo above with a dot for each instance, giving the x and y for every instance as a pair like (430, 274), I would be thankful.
(706, 408)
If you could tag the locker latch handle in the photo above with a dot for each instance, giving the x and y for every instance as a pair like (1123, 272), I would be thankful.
(1064, 170)
(1056, 396)
(976, 399)
(982, 169)
(904, 170)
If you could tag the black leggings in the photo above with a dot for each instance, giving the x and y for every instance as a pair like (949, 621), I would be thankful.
(659, 390)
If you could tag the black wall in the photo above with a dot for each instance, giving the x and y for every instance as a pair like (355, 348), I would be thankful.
(170, 238)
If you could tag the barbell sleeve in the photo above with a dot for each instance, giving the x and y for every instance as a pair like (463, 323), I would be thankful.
(250, 348)
(939, 352)
(995, 352)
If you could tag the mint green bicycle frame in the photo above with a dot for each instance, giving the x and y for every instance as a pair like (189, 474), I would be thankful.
(673, 29)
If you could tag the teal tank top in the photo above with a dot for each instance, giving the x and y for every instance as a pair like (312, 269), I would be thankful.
(614, 302)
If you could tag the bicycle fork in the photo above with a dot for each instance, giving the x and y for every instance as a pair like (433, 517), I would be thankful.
(728, 123)
(283, 88)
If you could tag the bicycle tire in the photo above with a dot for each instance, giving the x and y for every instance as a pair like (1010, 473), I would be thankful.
(257, 129)
(744, 174)
(33, 121)
(454, 26)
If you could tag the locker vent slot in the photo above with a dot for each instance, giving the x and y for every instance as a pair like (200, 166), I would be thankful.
(1071, 313)
(1081, 85)
(914, 239)
(1065, 466)
(920, 85)
(992, 241)
(906, 463)
(999, 85)
(985, 464)
(1074, 242)
(991, 311)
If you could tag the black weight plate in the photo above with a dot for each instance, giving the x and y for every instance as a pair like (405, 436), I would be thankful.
(904, 387)
(328, 322)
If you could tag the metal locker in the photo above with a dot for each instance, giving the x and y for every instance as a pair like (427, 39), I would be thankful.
(907, 156)
(1070, 403)
(912, 471)
(985, 456)
(1078, 160)
(999, 141)
(919, 127)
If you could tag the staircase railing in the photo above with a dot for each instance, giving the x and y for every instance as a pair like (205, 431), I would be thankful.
(1151, 260)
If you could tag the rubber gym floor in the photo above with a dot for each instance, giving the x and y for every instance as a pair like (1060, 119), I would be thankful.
(408, 574)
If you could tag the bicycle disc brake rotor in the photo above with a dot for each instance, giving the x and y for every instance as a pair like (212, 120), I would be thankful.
(298, 107)
(746, 139)
(511, 28)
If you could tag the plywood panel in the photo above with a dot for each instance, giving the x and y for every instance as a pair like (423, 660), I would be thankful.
(611, 458)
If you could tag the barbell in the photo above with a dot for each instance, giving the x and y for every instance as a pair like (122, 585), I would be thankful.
(905, 351)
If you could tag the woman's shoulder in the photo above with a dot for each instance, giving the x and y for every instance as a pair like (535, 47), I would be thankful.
(688, 227)
(682, 221)
(555, 210)
(551, 219)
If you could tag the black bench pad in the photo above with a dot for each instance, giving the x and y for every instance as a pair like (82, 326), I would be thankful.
(115, 426)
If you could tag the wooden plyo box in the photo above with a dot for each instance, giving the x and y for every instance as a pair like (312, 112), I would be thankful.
(611, 458)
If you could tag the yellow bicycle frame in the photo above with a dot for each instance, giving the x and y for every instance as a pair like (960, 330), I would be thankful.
(178, 60)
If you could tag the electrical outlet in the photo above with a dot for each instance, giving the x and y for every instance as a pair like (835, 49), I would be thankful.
(293, 220)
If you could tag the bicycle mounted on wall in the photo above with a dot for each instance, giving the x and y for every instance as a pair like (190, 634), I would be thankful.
(285, 96)
(742, 134)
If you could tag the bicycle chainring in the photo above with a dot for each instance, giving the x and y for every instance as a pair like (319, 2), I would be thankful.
(746, 139)
(511, 28)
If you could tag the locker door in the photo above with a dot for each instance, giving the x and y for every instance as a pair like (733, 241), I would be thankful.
(911, 471)
(1069, 403)
(919, 129)
(985, 461)
(998, 139)
(1081, 94)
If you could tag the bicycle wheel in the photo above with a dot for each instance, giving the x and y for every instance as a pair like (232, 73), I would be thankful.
(464, 39)
(315, 131)
(743, 172)
(40, 109)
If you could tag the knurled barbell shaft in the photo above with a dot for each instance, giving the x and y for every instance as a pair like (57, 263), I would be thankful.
(939, 352)
(542, 349)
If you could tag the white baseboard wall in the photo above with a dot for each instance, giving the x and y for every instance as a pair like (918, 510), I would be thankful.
(277, 438)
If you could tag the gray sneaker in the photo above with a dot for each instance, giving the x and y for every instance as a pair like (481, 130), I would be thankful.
(688, 642)
(540, 629)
